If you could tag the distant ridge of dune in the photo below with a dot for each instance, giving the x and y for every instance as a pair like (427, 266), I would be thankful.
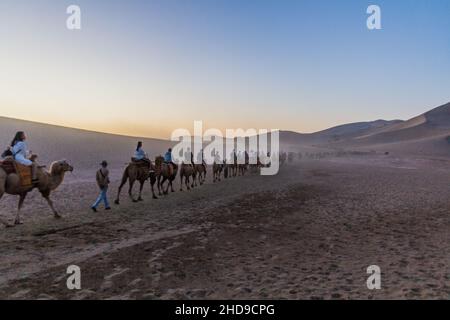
(424, 134)
(435, 122)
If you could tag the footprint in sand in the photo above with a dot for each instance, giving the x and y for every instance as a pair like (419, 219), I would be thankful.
(108, 280)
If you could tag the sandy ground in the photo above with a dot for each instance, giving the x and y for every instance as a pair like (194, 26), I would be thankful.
(308, 233)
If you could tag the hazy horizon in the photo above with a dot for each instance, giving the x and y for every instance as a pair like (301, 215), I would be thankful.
(144, 68)
(190, 128)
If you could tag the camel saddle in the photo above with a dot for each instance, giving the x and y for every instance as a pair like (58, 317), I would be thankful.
(141, 163)
(24, 172)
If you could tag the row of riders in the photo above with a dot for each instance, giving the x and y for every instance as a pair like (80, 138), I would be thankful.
(162, 172)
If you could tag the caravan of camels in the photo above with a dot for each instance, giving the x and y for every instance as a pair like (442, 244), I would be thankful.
(20, 174)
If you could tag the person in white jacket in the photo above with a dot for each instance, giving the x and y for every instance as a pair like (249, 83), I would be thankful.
(20, 152)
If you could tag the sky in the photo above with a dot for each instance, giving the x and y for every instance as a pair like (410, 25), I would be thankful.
(145, 68)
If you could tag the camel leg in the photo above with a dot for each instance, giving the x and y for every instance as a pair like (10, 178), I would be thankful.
(118, 192)
(159, 185)
(171, 185)
(186, 181)
(50, 203)
(181, 182)
(165, 190)
(152, 184)
(130, 191)
(140, 190)
(21, 200)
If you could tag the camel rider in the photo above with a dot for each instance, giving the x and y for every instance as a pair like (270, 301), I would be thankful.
(201, 158)
(168, 160)
(189, 156)
(217, 159)
(20, 152)
(139, 154)
(239, 158)
(233, 157)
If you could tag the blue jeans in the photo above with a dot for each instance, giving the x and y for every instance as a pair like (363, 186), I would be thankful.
(102, 197)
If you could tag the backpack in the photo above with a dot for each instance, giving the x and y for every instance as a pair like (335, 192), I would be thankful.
(7, 153)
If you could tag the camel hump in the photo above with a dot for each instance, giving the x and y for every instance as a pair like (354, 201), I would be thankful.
(8, 165)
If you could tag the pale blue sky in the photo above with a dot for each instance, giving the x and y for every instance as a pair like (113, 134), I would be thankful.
(147, 67)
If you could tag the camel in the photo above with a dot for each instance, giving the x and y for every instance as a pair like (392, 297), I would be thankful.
(47, 182)
(186, 171)
(194, 175)
(137, 171)
(162, 172)
(217, 170)
(226, 169)
(242, 168)
(153, 179)
(200, 172)
(233, 167)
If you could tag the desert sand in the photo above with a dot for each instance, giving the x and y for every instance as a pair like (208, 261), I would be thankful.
(309, 232)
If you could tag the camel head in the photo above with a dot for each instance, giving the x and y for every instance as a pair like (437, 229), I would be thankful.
(60, 167)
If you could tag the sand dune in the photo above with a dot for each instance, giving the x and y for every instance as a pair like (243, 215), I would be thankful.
(424, 135)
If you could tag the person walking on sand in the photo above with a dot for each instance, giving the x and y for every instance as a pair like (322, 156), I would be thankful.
(102, 177)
